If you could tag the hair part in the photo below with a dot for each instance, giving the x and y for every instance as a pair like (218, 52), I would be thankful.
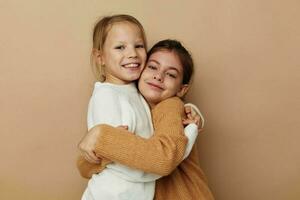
(100, 32)
(182, 53)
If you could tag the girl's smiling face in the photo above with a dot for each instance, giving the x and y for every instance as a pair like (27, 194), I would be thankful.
(162, 77)
(123, 53)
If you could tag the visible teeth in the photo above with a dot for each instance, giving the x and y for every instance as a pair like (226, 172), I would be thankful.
(131, 65)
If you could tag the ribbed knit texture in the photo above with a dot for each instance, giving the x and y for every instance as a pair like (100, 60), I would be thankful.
(186, 182)
(87, 169)
(160, 154)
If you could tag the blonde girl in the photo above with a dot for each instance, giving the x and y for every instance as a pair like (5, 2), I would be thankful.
(119, 52)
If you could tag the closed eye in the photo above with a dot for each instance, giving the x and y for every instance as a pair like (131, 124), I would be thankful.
(152, 67)
(171, 75)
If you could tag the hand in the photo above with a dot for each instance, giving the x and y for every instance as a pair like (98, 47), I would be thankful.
(192, 117)
(88, 143)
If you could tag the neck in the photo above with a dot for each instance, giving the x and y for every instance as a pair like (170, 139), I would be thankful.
(114, 80)
(151, 104)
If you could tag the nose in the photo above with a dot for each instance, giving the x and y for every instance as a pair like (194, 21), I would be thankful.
(131, 53)
(158, 76)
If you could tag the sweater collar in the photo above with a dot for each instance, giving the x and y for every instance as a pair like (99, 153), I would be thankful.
(131, 87)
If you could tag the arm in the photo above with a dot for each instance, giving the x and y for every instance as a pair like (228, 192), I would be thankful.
(191, 132)
(87, 169)
(160, 154)
(101, 100)
(195, 124)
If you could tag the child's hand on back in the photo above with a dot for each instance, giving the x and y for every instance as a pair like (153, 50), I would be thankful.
(87, 145)
(192, 117)
(88, 142)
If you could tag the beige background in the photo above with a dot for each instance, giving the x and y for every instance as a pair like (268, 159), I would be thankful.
(246, 84)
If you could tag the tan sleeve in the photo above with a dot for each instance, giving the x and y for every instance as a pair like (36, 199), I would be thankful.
(160, 154)
(87, 169)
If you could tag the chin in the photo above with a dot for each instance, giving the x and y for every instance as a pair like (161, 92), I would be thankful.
(151, 98)
(130, 78)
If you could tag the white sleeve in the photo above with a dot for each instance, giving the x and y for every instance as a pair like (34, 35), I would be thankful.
(104, 108)
(191, 132)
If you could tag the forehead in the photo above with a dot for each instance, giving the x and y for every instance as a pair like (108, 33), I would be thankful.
(166, 59)
(124, 31)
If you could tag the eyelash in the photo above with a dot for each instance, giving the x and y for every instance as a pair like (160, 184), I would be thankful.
(123, 47)
(168, 74)
(152, 67)
(171, 75)
(139, 46)
(120, 47)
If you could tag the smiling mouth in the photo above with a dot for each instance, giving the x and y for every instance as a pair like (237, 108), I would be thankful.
(132, 65)
(155, 86)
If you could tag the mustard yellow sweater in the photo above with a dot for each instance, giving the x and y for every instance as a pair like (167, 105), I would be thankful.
(161, 154)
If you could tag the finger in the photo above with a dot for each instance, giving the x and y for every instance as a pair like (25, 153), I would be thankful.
(189, 113)
(188, 121)
(81, 149)
(193, 113)
(185, 122)
(187, 110)
(87, 158)
(93, 157)
(197, 120)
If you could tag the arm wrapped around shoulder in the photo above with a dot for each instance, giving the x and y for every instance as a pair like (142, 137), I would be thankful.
(160, 154)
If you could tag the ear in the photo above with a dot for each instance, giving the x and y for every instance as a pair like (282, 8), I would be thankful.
(97, 56)
(183, 90)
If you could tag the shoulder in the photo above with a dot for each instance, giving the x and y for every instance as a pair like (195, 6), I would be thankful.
(170, 103)
(105, 92)
(170, 107)
(168, 113)
(104, 98)
(104, 106)
(103, 88)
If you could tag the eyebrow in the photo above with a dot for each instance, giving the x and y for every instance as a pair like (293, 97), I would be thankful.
(136, 41)
(124, 42)
(151, 60)
(169, 67)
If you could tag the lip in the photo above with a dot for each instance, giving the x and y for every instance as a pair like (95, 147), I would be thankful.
(133, 65)
(155, 86)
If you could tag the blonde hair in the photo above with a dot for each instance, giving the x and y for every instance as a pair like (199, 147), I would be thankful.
(100, 32)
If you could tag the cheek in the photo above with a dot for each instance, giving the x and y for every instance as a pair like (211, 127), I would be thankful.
(146, 74)
(143, 54)
(142, 86)
(174, 86)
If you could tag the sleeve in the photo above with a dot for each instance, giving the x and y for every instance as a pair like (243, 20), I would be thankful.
(191, 132)
(103, 108)
(159, 154)
(87, 169)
